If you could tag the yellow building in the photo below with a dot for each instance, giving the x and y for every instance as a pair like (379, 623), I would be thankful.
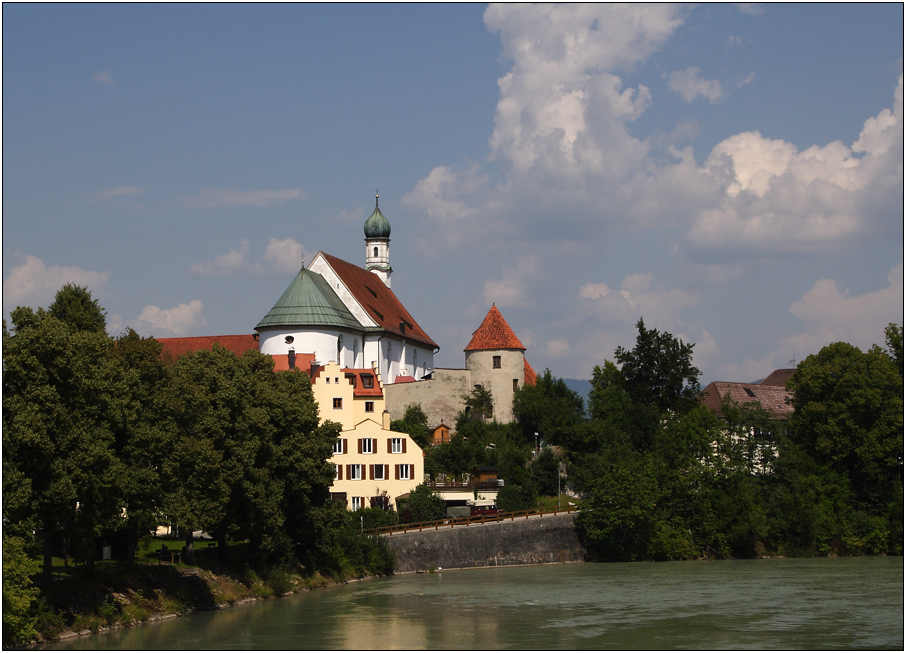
(373, 464)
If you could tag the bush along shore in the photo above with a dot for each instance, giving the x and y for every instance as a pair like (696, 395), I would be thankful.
(83, 603)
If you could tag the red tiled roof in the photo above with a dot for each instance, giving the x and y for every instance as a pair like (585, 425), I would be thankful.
(779, 377)
(530, 376)
(173, 348)
(772, 398)
(378, 300)
(360, 389)
(303, 362)
(494, 333)
(405, 379)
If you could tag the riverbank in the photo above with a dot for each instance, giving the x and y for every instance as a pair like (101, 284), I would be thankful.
(111, 598)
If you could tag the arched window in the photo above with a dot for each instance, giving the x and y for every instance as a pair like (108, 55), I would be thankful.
(340, 351)
(355, 353)
(375, 252)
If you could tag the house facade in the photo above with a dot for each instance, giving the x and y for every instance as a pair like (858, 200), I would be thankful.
(372, 463)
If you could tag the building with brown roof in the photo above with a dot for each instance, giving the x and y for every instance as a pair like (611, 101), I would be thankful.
(495, 361)
(771, 394)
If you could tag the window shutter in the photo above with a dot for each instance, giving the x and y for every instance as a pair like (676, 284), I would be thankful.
(349, 472)
(386, 472)
(339, 472)
(396, 469)
(404, 444)
(389, 445)
(372, 471)
(374, 445)
(345, 445)
(360, 445)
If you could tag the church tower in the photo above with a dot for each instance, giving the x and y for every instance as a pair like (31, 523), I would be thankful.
(377, 244)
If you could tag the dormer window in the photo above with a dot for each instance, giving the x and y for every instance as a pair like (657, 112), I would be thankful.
(367, 381)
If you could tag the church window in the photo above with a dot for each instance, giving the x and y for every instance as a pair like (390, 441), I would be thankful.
(288, 340)
(375, 252)
(496, 362)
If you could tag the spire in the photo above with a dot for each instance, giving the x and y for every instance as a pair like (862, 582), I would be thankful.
(494, 333)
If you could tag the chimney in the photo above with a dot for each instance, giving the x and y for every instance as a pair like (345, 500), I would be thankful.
(386, 420)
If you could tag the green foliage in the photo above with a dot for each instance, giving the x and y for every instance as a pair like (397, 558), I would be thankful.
(415, 424)
(74, 306)
(20, 596)
(544, 473)
(422, 505)
(479, 404)
(548, 408)
(658, 371)
(893, 336)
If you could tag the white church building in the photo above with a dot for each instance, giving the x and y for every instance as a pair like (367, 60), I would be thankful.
(341, 312)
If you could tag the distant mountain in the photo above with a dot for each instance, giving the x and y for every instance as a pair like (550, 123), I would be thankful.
(582, 388)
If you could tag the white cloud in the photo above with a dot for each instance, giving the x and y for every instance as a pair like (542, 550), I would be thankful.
(638, 297)
(689, 84)
(751, 8)
(828, 314)
(178, 320)
(283, 256)
(103, 77)
(860, 319)
(119, 192)
(514, 289)
(236, 260)
(213, 198)
(777, 198)
(34, 284)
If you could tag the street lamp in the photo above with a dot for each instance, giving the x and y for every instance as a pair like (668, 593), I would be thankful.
(536, 440)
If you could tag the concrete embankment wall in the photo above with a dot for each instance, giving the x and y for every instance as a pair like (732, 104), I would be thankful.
(550, 539)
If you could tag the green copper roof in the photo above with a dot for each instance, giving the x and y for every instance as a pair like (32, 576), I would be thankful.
(377, 225)
(309, 301)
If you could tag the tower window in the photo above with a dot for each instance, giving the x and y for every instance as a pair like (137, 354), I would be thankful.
(496, 362)
(375, 252)
(515, 384)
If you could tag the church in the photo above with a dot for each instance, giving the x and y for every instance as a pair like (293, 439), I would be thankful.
(368, 360)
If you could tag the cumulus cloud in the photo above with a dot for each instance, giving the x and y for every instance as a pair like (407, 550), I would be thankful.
(280, 257)
(103, 77)
(178, 320)
(236, 260)
(860, 319)
(775, 197)
(689, 84)
(514, 289)
(828, 314)
(283, 256)
(32, 283)
(210, 198)
(638, 297)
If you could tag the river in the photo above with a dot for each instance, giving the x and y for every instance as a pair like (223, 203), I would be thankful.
(827, 603)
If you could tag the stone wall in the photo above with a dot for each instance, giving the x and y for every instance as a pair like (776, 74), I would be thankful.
(550, 539)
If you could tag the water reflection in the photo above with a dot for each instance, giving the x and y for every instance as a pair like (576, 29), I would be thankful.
(765, 604)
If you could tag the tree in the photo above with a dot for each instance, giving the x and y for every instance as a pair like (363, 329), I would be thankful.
(658, 371)
(423, 505)
(59, 388)
(415, 425)
(848, 414)
(548, 408)
(19, 594)
(893, 335)
(74, 306)
(479, 404)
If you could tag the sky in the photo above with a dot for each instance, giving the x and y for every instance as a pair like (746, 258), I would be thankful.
(731, 174)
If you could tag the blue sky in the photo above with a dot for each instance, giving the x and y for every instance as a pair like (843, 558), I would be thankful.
(731, 173)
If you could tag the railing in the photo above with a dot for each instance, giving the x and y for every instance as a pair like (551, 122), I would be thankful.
(460, 485)
(474, 520)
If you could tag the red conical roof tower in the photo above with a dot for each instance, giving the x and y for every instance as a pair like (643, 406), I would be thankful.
(494, 333)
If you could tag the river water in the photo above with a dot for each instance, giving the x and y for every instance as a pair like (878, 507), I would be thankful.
(827, 603)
